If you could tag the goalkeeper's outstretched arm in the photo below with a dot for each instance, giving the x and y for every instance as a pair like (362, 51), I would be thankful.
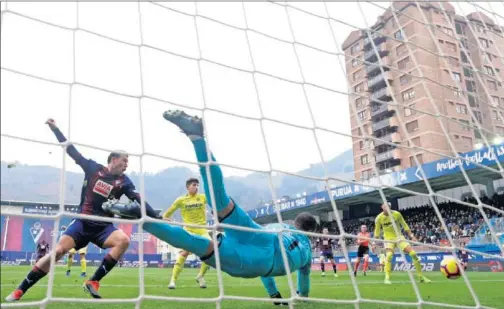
(71, 150)
(304, 280)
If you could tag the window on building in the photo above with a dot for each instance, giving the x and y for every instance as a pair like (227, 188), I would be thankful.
(419, 158)
(408, 94)
(480, 29)
(355, 63)
(363, 145)
(401, 49)
(495, 115)
(461, 109)
(457, 93)
(359, 87)
(364, 159)
(448, 31)
(401, 64)
(360, 103)
(487, 57)
(408, 111)
(451, 47)
(398, 35)
(471, 86)
(467, 141)
(453, 61)
(416, 142)
(362, 115)
(357, 75)
(484, 42)
(469, 73)
(366, 174)
(464, 124)
(464, 42)
(489, 70)
(495, 101)
(460, 28)
(492, 85)
(355, 48)
(456, 76)
(478, 117)
(464, 57)
(502, 103)
(412, 126)
(472, 101)
(405, 79)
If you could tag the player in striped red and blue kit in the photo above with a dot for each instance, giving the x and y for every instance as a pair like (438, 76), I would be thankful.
(101, 183)
(42, 249)
(325, 245)
(463, 256)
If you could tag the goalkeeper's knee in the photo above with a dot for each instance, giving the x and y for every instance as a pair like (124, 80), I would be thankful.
(389, 256)
(413, 255)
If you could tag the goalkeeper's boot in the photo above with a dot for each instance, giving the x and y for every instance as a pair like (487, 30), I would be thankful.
(277, 303)
(92, 288)
(14, 296)
(201, 281)
(387, 281)
(190, 125)
(68, 273)
(424, 279)
(171, 286)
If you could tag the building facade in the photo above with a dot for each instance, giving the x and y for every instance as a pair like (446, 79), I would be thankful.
(426, 74)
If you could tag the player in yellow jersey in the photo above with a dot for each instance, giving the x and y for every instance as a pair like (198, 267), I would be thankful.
(193, 210)
(383, 221)
(82, 253)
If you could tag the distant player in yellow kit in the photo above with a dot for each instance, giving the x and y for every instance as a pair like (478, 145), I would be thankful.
(82, 253)
(383, 221)
(193, 210)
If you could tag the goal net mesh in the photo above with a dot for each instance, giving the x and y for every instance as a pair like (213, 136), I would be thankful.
(288, 69)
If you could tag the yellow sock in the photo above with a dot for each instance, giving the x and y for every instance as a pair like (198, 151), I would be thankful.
(69, 262)
(203, 269)
(388, 264)
(416, 262)
(83, 264)
(179, 265)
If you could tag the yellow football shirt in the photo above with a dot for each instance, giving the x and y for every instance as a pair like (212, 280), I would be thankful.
(384, 222)
(192, 209)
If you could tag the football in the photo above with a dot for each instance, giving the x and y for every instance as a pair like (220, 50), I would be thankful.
(450, 268)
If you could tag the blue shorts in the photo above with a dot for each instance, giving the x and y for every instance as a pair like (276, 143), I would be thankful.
(465, 260)
(327, 254)
(83, 232)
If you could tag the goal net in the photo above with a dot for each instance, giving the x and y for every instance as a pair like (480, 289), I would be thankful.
(415, 89)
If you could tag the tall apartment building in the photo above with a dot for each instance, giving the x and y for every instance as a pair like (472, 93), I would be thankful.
(451, 86)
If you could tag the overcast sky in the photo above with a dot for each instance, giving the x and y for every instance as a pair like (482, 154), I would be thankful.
(112, 121)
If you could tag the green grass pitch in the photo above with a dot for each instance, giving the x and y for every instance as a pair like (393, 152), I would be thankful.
(123, 283)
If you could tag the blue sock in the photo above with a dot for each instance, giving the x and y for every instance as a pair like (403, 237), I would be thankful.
(269, 285)
(106, 266)
(221, 198)
(178, 237)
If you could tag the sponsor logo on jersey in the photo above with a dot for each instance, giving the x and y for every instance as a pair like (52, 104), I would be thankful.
(102, 188)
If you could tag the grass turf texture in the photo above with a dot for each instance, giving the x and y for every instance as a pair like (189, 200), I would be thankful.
(124, 282)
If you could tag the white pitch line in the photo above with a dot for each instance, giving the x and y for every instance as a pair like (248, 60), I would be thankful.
(246, 284)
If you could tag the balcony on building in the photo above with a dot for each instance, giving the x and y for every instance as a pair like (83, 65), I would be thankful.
(379, 110)
(371, 55)
(386, 139)
(389, 158)
(376, 37)
(379, 81)
(380, 95)
(387, 121)
(374, 68)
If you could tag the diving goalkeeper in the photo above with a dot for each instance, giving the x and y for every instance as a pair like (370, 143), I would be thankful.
(242, 254)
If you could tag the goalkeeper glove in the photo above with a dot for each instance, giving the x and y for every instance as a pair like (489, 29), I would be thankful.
(126, 211)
